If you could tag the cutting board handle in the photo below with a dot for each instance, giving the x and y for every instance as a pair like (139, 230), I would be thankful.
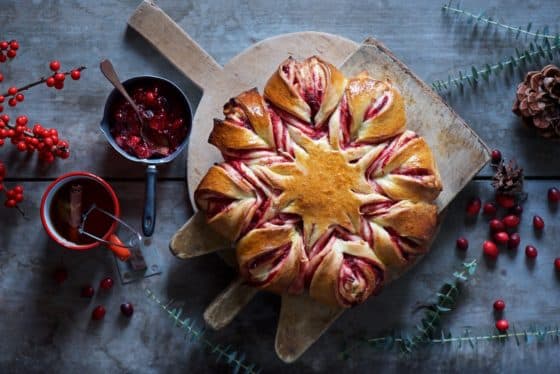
(176, 45)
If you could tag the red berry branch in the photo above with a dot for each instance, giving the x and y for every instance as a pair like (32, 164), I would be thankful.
(44, 141)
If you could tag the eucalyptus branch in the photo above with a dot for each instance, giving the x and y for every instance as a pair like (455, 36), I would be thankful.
(234, 359)
(533, 53)
(446, 298)
(544, 34)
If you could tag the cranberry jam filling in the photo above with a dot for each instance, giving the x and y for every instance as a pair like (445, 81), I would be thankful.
(166, 121)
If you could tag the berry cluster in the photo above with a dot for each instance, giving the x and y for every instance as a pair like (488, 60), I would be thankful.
(14, 196)
(98, 313)
(504, 216)
(43, 140)
(14, 94)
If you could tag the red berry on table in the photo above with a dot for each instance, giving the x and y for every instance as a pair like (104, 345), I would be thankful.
(75, 74)
(473, 207)
(20, 97)
(4, 45)
(50, 82)
(59, 77)
(98, 313)
(11, 53)
(531, 251)
(496, 225)
(12, 91)
(514, 240)
(12, 102)
(557, 263)
(501, 237)
(14, 45)
(538, 223)
(60, 275)
(59, 85)
(553, 195)
(511, 221)
(127, 309)
(502, 325)
(505, 201)
(496, 156)
(462, 243)
(10, 203)
(106, 283)
(54, 65)
(87, 291)
(490, 249)
(499, 305)
(2, 57)
(22, 147)
(489, 209)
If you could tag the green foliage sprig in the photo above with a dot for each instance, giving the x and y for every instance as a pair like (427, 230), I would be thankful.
(195, 334)
(481, 18)
(543, 46)
(445, 300)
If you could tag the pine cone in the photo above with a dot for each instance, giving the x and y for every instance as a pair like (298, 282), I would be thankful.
(538, 101)
(508, 179)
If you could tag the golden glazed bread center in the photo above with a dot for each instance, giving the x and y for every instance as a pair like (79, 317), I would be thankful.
(322, 188)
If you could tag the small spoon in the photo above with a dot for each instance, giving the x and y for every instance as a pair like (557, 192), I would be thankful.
(109, 72)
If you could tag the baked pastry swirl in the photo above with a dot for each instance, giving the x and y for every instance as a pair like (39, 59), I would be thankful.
(322, 188)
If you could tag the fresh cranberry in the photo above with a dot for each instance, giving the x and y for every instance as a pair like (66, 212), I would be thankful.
(514, 240)
(499, 305)
(501, 237)
(496, 225)
(553, 195)
(60, 275)
(489, 209)
(538, 223)
(473, 207)
(462, 243)
(87, 292)
(54, 65)
(496, 156)
(490, 249)
(505, 201)
(511, 221)
(531, 251)
(557, 263)
(127, 309)
(502, 325)
(98, 313)
(106, 283)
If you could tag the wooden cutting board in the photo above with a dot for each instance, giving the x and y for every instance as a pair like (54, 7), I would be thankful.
(458, 151)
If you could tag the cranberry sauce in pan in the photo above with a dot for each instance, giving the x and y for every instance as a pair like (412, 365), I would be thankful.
(166, 121)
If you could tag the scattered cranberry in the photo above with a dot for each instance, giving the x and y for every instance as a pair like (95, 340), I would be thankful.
(489, 209)
(499, 305)
(501, 237)
(75, 74)
(473, 207)
(496, 156)
(505, 201)
(54, 65)
(538, 223)
(106, 283)
(60, 275)
(517, 210)
(553, 195)
(462, 243)
(87, 291)
(502, 325)
(496, 225)
(511, 221)
(514, 240)
(531, 251)
(557, 263)
(127, 309)
(98, 313)
(12, 91)
(490, 249)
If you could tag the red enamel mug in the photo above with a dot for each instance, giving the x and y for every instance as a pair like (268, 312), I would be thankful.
(53, 206)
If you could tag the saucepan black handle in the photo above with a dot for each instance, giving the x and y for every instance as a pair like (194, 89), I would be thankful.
(149, 219)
